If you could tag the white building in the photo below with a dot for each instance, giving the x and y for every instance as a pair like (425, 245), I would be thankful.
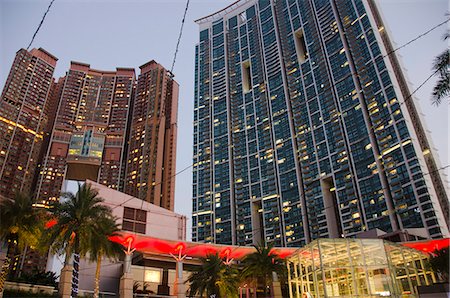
(134, 215)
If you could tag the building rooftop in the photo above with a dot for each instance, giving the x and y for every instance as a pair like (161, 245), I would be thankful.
(218, 14)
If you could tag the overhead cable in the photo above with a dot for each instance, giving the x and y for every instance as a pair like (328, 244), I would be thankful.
(179, 36)
(40, 24)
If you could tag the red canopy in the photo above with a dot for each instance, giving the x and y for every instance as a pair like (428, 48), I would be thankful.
(151, 245)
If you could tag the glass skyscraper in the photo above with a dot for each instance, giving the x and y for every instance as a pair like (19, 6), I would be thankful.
(304, 128)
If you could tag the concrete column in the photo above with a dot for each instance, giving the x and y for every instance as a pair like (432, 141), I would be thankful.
(179, 286)
(127, 263)
(126, 285)
(276, 286)
(163, 288)
(65, 281)
(127, 280)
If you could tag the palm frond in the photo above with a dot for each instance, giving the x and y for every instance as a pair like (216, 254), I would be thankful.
(441, 66)
(20, 220)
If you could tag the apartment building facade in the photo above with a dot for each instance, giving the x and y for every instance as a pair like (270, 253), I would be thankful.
(24, 106)
(88, 139)
(304, 128)
(153, 134)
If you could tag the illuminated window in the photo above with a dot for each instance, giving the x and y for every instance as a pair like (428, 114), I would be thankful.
(152, 276)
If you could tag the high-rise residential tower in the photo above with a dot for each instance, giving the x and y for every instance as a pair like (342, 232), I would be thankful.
(111, 128)
(24, 113)
(105, 126)
(153, 134)
(304, 127)
(88, 140)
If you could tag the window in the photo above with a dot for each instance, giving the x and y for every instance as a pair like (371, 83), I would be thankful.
(134, 220)
(300, 46)
(152, 276)
(246, 77)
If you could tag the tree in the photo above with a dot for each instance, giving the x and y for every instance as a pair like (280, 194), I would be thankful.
(228, 281)
(442, 67)
(260, 265)
(214, 277)
(77, 222)
(439, 262)
(21, 223)
(101, 246)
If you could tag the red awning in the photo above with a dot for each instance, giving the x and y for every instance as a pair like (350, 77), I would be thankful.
(151, 245)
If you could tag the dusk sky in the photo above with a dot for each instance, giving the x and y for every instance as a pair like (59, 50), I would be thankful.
(116, 33)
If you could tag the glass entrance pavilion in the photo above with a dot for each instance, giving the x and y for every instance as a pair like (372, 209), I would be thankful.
(357, 268)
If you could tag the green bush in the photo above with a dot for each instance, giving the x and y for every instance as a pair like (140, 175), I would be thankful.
(38, 278)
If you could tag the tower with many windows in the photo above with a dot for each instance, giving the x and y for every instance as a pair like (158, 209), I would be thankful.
(88, 140)
(304, 127)
(25, 109)
(111, 128)
(151, 160)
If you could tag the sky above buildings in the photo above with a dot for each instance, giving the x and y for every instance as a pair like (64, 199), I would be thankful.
(127, 33)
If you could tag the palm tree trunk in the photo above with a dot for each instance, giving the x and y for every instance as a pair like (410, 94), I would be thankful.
(5, 268)
(22, 260)
(265, 286)
(76, 264)
(97, 276)
(67, 256)
(11, 250)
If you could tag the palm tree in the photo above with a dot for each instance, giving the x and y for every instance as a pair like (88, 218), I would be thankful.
(77, 217)
(214, 277)
(21, 224)
(442, 67)
(228, 281)
(439, 262)
(260, 265)
(101, 246)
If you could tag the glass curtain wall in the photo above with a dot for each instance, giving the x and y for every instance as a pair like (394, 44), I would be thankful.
(357, 268)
